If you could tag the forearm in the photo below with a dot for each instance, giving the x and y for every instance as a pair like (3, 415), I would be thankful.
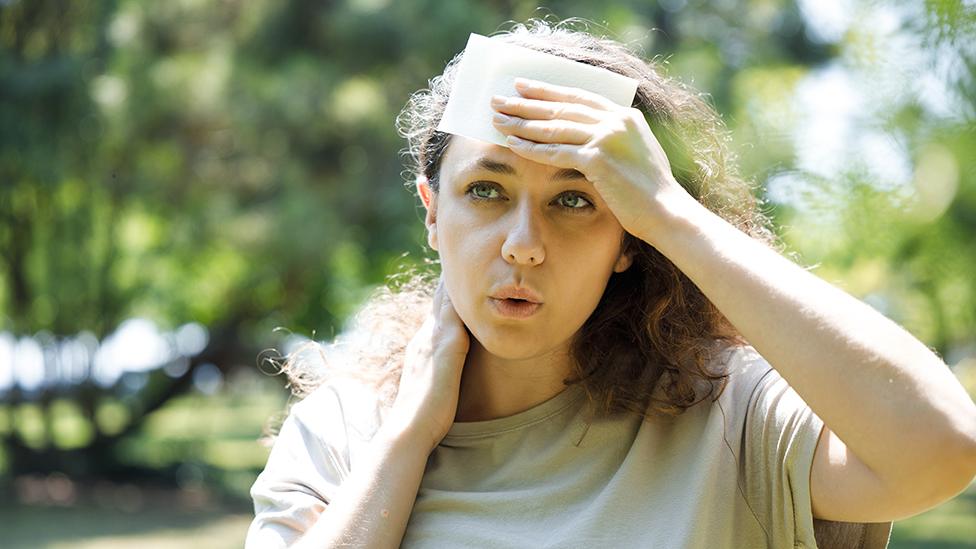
(882, 391)
(374, 503)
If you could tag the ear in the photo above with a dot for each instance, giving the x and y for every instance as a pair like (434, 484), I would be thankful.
(624, 261)
(429, 198)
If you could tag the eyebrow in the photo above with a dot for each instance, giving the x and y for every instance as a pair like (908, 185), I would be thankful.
(494, 166)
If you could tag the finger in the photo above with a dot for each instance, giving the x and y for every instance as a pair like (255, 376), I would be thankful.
(445, 309)
(544, 110)
(543, 131)
(559, 155)
(447, 315)
(448, 312)
(536, 89)
(438, 297)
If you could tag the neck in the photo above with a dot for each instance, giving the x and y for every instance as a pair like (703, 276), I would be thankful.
(493, 387)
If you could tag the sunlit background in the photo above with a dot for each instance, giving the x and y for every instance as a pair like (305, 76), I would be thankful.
(189, 187)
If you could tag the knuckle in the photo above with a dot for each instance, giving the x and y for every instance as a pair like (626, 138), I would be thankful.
(633, 117)
(438, 339)
(591, 158)
(618, 126)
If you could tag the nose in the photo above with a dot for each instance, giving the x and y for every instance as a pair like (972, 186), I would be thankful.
(523, 244)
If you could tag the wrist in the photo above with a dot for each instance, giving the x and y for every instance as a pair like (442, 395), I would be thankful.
(404, 437)
(672, 212)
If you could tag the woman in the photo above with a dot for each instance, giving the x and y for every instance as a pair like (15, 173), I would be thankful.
(592, 370)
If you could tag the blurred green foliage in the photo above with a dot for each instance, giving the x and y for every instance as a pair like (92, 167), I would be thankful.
(206, 160)
(192, 160)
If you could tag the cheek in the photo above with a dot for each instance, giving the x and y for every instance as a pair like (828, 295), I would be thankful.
(589, 285)
(587, 271)
(465, 251)
(463, 238)
(466, 290)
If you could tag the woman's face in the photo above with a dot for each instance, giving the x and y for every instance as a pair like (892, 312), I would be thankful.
(500, 221)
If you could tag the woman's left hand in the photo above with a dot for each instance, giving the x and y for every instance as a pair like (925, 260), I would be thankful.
(611, 145)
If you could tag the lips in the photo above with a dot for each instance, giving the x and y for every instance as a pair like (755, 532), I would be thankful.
(515, 308)
(522, 293)
(516, 302)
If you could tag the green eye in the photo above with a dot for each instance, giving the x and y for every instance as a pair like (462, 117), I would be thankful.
(574, 201)
(483, 191)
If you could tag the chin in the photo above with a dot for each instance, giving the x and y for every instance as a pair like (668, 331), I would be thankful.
(507, 345)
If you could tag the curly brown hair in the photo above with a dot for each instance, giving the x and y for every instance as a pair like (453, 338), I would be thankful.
(650, 345)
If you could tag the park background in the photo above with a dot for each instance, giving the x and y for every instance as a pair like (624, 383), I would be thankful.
(191, 187)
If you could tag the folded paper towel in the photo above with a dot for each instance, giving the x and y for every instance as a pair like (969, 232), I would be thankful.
(489, 67)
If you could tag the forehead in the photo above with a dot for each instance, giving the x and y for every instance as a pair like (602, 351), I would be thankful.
(464, 156)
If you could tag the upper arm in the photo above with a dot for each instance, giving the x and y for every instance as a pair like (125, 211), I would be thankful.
(843, 488)
(306, 465)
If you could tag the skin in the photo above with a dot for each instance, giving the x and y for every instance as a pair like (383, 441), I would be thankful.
(538, 227)
(900, 430)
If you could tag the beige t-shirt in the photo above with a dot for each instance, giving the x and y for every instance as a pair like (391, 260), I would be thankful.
(732, 473)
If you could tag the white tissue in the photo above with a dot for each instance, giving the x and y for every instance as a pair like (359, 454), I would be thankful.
(489, 67)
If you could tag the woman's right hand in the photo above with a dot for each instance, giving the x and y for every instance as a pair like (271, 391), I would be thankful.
(430, 382)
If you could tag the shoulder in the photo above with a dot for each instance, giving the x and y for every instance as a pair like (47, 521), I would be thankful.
(338, 409)
(747, 371)
(317, 444)
(311, 456)
(759, 406)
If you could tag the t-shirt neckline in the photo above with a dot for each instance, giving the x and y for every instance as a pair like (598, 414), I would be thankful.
(540, 412)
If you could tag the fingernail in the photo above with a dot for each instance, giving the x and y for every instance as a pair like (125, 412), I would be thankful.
(497, 100)
(500, 118)
(523, 82)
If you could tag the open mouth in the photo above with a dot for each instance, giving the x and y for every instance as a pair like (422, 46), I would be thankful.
(515, 308)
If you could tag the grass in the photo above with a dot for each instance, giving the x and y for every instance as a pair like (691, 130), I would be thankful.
(212, 441)
(156, 525)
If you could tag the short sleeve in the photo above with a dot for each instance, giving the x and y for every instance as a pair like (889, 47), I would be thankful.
(778, 439)
(309, 460)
